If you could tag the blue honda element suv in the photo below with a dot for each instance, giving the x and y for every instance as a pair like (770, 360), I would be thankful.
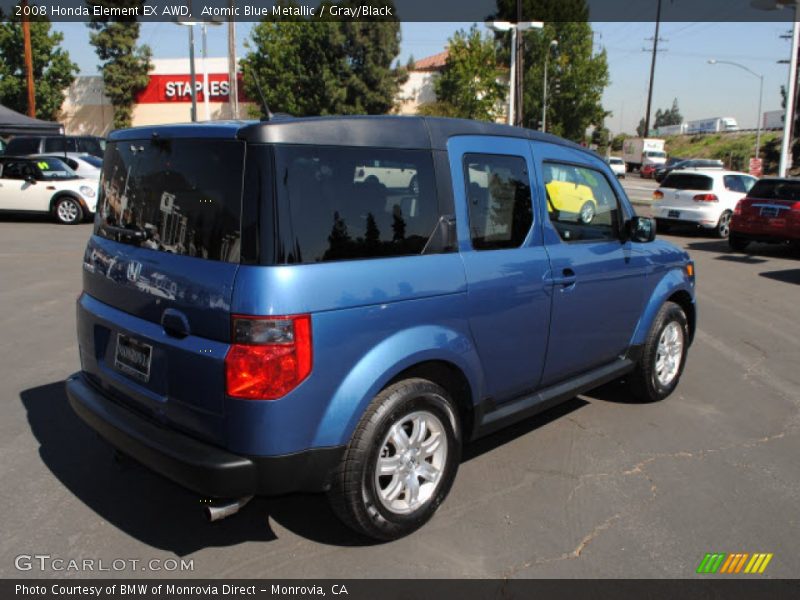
(339, 304)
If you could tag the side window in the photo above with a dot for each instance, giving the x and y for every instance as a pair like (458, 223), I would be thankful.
(580, 203)
(54, 144)
(498, 200)
(13, 170)
(733, 183)
(341, 203)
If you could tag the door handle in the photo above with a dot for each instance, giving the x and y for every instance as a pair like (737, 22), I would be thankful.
(175, 323)
(567, 279)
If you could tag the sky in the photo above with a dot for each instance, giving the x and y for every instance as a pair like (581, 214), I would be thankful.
(682, 69)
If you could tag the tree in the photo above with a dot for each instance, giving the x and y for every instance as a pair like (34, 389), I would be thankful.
(669, 116)
(470, 85)
(124, 65)
(321, 66)
(640, 128)
(576, 76)
(53, 71)
(617, 142)
(601, 138)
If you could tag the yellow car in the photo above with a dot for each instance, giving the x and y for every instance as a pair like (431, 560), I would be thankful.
(568, 194)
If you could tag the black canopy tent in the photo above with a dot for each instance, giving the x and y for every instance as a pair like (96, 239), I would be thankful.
(14, 123)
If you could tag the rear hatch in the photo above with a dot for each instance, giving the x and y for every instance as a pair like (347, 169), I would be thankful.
(154, 319)
(771, 204)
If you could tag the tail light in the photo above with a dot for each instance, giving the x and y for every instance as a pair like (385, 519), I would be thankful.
(706, 198)
(269, 357)
(658, 195)
(796, 207)
(737, 210)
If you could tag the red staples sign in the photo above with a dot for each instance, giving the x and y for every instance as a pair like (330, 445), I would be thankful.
(178, 88)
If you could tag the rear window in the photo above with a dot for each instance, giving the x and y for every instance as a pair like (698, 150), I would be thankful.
(341, 203)
(174, 195)
(687, 181)
(766, 189)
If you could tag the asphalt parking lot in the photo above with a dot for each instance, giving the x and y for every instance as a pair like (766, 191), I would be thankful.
(597, 487)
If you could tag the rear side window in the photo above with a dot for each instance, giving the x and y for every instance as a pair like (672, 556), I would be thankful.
(687, 181)
(498, 199)
(341, 203)
(23, 146)
(776, 189)
(181, 196)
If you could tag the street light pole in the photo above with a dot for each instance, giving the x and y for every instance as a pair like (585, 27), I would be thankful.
(192, 76)
(553, 44)
(714, 61)
(514, 28)
(788, 119)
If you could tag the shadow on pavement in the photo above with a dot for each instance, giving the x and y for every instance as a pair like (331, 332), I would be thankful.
(787, 276)
(149, 507)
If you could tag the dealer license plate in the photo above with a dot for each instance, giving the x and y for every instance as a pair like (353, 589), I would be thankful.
(132, 357)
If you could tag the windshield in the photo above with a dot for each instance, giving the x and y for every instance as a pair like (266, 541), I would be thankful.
(54, 169)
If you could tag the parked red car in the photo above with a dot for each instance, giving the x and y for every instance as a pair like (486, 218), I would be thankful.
(769, 213)
(647, 171)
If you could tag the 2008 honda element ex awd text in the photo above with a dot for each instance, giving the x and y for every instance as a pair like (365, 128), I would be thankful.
(339, 304)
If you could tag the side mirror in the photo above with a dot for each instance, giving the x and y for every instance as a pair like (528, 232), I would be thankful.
(30, 179)
(641, 229)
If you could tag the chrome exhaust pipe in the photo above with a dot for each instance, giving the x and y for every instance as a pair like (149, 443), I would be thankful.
(216, 513)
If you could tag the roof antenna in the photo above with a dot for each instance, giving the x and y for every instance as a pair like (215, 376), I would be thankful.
(263, 99)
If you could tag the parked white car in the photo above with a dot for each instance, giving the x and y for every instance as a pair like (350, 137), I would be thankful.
(617, 166)
(705, 198)
(46, 185)
(85, 165)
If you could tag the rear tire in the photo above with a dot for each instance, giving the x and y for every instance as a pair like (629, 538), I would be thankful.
(660, 367)
(723, 228)
(738, 243)
(400, 463)
(68, 211)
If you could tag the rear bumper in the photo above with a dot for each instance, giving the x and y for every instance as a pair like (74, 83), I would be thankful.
(201, 467)
(764, 232)
(702, 217)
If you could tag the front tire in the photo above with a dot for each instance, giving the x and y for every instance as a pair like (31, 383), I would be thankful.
(401, 462)
(660, 367)
(586, 215)
(68, 211)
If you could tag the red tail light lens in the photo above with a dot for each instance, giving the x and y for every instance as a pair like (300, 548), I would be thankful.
(737, 210)
(796, 207)
(269, 357)
(658, 195)
(706, 198)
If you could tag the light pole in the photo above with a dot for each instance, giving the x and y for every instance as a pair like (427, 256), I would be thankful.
(788, 119)
(502, 26)
(553, 44)
(714, 61)
(192, 77)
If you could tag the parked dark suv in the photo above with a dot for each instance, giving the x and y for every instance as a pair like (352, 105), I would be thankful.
(340, 304)
(50, 144)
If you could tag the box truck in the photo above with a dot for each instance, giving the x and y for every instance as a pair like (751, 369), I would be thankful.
(637, 152)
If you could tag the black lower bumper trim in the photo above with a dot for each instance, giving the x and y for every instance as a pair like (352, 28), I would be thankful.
(201, 467)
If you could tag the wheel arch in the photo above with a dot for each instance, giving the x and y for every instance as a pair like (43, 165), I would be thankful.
(673, 287)
(67, 194)
(443, 355)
